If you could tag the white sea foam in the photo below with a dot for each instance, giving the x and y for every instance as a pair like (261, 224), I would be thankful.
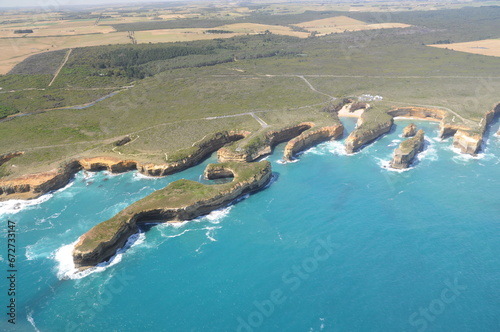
(88, 175)
(463, 158)
(283, 162)
(394, 142)
(216, 216)
(176, 224)
(30, 319)
(386, 165)
(66, 268)
(210, 232)
(14, 206)
(35, 250)
(429, 153)
(337, 148)
(137, 176)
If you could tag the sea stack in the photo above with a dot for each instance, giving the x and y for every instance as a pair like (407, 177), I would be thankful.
(410, 130)
(407, 150)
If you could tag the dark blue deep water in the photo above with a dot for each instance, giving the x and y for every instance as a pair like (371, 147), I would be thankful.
(335, 243)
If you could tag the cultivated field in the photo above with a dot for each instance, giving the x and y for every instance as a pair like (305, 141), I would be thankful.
(339, 24)
(489, 47)
(15, 50)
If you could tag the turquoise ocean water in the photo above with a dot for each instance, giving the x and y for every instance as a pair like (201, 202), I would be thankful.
(335, 243)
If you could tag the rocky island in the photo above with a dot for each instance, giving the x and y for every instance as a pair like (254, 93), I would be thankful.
(180, 200)
(407, 150)
(410, 130)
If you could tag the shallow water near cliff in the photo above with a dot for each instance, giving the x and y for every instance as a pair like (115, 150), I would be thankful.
(336, 243)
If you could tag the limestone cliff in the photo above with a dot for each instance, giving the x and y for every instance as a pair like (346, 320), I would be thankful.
(180, 200)
(310, 138)
(260, 143)
(419, 112)
(34, 185)
(186, 158)
(410, 130)
(469, 140)
(407, 150)
(467, 137)
(367, 131)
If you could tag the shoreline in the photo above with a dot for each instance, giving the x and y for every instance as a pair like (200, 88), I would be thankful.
(300, 136)
(181, 200)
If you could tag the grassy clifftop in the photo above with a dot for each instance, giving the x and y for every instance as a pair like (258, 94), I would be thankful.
(175, 108)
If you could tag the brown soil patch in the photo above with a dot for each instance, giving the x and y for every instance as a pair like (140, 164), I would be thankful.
(340, 24)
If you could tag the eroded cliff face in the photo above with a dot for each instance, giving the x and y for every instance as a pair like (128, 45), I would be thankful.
(469, 140)
(178, 201)
(113, 165)
(364, 134)
(201, 151)
(310, 138)
(254, 147)
(407, 150)
(419, 112)
(35, 185)
(466, 138)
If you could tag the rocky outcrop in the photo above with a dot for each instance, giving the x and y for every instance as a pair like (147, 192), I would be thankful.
(469, 140)
(186, 158)
(217, 171)
(123, 141)
(367, 132)
(112, 165)
(310, 138)
(8, 156)
(260, 144)
(35, 185)
(180, 200)
(407, 150)
(419, 112)
(410, 130)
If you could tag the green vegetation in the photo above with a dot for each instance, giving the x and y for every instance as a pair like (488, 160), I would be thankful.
(176, 195)
(7, 110)
(411, 143)
(283, 80)
(39, 64)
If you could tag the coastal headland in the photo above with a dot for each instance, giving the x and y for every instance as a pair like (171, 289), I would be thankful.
(181, 200)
